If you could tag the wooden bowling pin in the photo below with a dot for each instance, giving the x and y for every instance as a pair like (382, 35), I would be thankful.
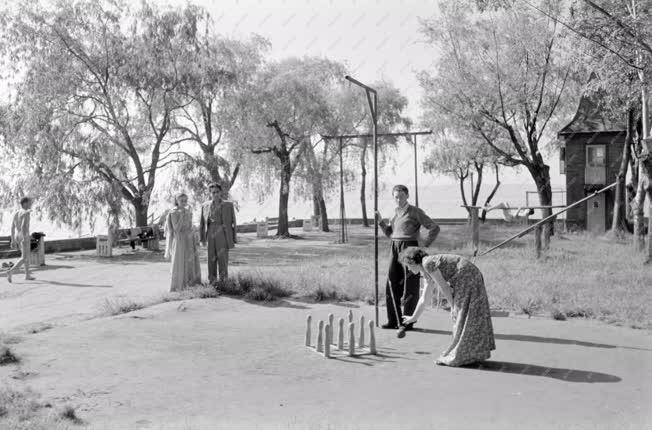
(351, 339)
(308, 328)
(327, 341)
(340, 335)
(361, 337)
(372, 338)
(320, 337)
(331, 325)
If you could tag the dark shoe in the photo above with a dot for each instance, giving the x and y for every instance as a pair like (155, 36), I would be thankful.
(408, 327)
(389, 326)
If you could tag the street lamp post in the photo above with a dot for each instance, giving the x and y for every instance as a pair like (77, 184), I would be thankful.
(373, 107)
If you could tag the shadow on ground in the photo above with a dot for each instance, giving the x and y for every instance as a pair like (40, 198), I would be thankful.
(568, 375)
(528, 338)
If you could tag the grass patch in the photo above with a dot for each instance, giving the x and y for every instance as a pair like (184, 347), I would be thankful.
(558, 315)
(69, 413)
(23, 410)
(7, 356)
(580, 276)
(324, 294)
(119, 305)
(203, 291)
(9, 339)
(254, 286)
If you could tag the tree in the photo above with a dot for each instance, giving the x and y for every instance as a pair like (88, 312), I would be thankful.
(619, 36)
(502, 75)
(219, 73)
(291, 109)
(459, 159)
(619, 42)
(98, 94)
(351, 111)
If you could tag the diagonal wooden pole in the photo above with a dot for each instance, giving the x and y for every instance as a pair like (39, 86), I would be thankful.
(533, 226)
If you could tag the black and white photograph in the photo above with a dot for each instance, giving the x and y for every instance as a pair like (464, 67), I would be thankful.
(325, 214)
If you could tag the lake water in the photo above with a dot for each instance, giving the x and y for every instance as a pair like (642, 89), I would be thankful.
(439, 201)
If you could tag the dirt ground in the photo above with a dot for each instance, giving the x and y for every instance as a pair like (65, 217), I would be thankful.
(227, 364)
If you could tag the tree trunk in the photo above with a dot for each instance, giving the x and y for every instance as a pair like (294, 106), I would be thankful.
(476, 192)
(461, 179)
(140, 212)
(619, 224)
(324, 215)
(284, 197)
(638, 213)
(648, 260)
(541, 176)
(363, 185)
(315, 205)
(491, 194)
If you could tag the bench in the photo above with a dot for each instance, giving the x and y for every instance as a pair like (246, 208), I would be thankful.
(5, 242)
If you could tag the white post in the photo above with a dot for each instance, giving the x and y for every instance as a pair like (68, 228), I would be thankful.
(320, 337)
(340, 335)
(327, 341)
(351, 339)
(308, 328)
(372, 338)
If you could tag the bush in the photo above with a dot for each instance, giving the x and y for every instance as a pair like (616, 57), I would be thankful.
(7, 356)
(558, 315)
(68, 413)
(120, 305)
(254, 286)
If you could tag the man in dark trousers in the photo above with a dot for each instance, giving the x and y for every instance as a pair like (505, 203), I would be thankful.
(217, 230)
(403, 229)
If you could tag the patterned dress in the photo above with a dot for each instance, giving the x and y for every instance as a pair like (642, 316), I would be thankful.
(181, 247)
(473, 335)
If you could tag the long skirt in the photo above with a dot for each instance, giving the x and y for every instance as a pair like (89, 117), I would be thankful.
(473, 335)
(184, 255)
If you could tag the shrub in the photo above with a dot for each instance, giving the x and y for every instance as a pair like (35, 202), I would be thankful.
(7, 356)
(120, 305)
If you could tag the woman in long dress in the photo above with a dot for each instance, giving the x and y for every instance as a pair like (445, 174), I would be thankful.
(461, 283)
(181, 245)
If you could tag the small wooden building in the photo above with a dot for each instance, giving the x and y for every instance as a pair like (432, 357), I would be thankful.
(590, 155)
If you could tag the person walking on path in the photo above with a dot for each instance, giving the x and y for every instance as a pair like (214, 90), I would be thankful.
(404, 229)
(21, 238)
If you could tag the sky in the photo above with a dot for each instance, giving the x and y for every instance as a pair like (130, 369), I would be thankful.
(377, 40)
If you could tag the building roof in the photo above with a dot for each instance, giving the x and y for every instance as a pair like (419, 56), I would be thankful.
(590, 118)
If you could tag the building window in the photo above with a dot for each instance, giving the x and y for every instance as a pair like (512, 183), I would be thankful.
(562, 160)
(596, 165)
(595, 155)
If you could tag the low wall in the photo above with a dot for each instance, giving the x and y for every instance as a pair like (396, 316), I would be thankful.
(65, 245)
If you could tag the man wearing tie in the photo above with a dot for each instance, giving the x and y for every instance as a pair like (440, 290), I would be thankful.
(217, 230)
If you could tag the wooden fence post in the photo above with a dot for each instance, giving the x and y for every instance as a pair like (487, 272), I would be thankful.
(537, 241)
(475, 228)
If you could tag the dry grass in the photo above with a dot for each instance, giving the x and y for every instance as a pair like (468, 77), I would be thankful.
(119, 305)
(22, 410)
(255, 286)
(580, 276)
(7, 356)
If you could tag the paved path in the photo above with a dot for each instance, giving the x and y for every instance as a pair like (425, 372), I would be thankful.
(224, 363)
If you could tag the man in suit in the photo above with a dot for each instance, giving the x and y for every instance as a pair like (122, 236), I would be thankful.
(217, 229)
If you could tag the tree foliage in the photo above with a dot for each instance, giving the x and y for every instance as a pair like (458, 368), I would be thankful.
(98, 96)
(504, 75)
